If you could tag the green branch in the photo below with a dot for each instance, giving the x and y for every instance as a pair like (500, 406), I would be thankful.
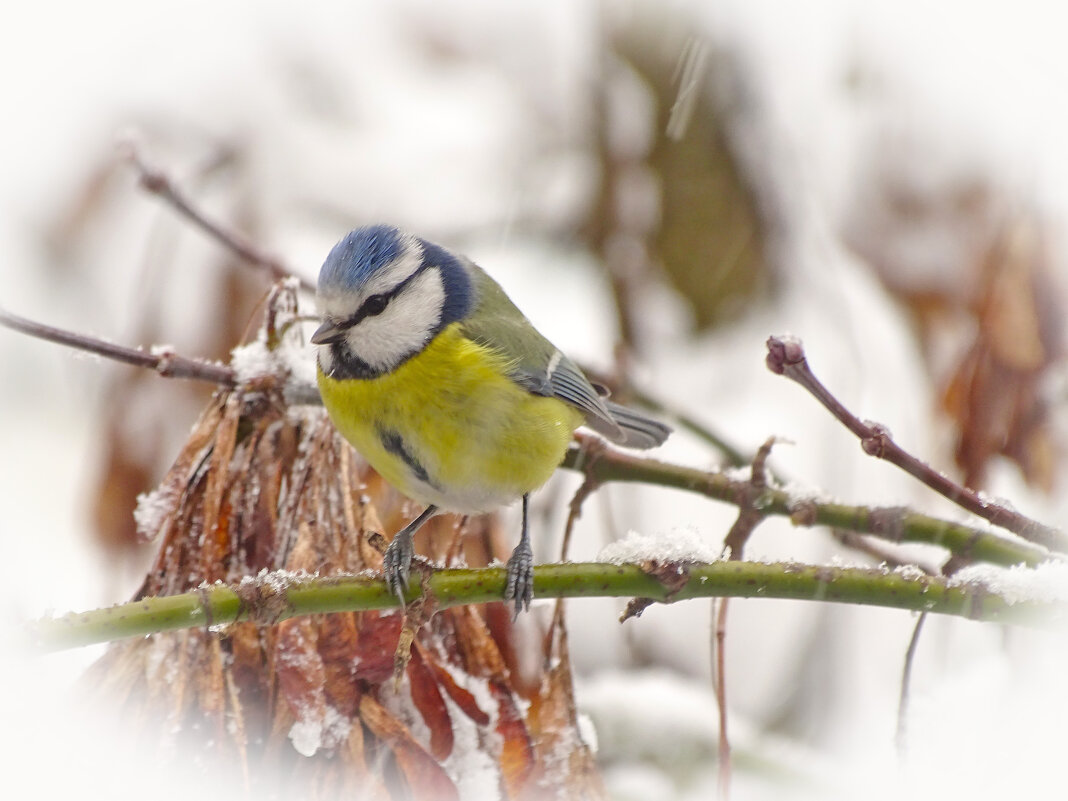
(273, 597)
(892, 523)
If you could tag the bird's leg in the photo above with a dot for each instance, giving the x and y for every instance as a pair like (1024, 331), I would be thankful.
(520, 575)
(397, 559)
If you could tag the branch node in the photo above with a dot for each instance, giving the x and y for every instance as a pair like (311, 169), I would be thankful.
(165, 356)
(803, 511)
(878, 441)
(263, 598)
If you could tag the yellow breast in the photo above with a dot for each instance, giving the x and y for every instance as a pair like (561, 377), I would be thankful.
(449, 428)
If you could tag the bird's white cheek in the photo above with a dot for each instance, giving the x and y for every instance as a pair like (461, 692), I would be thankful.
(326, 359)
(404, 328)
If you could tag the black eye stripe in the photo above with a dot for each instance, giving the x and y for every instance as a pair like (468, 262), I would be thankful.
(376, 304)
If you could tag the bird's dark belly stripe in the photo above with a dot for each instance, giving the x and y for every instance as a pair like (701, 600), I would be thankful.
(394, 443)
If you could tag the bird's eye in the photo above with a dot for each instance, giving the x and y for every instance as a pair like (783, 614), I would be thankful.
(376, 304)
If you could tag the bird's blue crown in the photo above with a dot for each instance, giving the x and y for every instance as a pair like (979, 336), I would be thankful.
(363, 252)
(359, 255)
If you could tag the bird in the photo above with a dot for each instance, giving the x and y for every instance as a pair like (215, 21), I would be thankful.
(447, 390)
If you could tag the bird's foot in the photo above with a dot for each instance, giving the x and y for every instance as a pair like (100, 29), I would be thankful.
(396, 564)
(519, 586)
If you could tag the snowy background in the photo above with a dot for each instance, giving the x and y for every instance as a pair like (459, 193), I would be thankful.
(472, 127)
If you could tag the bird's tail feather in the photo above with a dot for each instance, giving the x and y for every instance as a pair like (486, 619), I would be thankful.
(635, 429)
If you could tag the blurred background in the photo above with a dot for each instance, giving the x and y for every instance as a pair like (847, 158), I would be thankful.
(659, 186)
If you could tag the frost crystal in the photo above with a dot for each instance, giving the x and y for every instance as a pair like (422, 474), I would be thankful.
(151, 512)
(910, 572)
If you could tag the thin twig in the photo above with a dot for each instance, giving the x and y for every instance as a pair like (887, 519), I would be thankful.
(593, 449)
(734, 456)
(156, 181)
(749, 517)
(906, 681)
(719, 668)
(786, 357)
(886, 556)
(164, 362)
(895, 524)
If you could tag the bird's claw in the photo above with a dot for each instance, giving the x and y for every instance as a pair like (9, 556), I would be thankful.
(520, 579)
(396, 564)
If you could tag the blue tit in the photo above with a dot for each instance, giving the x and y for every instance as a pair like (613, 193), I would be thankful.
(447, 390)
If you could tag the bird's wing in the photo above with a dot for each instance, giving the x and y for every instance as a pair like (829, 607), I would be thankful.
(537, 365)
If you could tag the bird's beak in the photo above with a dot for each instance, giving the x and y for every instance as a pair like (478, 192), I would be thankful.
(328, 333)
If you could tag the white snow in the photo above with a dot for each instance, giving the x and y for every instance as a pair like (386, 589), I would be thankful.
(293, 359)
(1044, 583)
(588, 731)
(306, 736)
(682, 544)
(253, 360)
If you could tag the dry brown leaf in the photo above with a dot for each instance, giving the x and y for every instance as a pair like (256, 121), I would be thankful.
(420, 771)
(337, 642)
(563, 759)
(299, 671)
(427, 698)
(377, 641)
(517, 752)
(994, 395)
(462, 698)
(479, 653)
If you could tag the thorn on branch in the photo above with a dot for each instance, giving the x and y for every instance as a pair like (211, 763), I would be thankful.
(635, 607)
(672, 576)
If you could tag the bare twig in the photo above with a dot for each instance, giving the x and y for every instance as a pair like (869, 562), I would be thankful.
(157, 182)
(786, 357)
(719, 614)
(734, 456)
(592, 450)
(749, 516)
(858, 542)
(906, 681)
(164, 362)
(894, 524)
